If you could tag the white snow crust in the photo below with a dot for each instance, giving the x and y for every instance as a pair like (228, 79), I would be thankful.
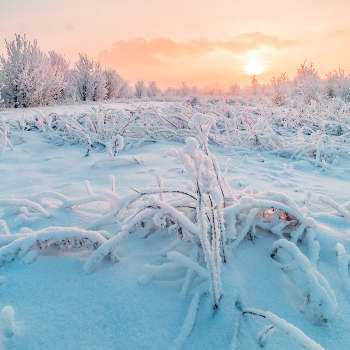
(101, 228)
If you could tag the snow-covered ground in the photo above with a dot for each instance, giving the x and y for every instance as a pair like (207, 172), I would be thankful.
(58, 306)
(17, 113)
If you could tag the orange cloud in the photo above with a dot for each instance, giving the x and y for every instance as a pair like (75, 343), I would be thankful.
(154, 51)
(336, 33)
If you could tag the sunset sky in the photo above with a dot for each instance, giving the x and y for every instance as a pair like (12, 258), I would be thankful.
(195, 41)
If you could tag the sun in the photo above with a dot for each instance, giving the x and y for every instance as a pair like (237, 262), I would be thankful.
(254, 68)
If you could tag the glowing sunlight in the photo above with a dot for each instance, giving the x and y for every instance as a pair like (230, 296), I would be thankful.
(254, 68)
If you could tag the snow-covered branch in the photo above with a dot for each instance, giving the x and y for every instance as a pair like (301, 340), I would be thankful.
(63, 237)
(295, 333)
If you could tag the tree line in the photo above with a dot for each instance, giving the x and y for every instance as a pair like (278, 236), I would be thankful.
(30, 77)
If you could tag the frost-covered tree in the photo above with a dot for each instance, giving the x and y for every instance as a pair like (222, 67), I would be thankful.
(184, 89)
(280, 89)
(140, 89)
(170, 92)
(61, 85)
(22, 73)
(29, 77)
(116, 85)
(152, 89)
(126, 90)
(255, 83)
(338, 84)
(196, 90)
(234, 89)
(89, 79)
(307, 84)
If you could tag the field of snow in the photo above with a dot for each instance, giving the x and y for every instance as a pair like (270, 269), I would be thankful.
(77, 258)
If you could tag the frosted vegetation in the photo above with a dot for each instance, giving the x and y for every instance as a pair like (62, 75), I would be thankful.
(207, 219)
(317, 133)
(210, 223)
(30, 77)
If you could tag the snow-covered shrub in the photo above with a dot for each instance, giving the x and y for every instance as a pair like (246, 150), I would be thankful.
(196, 216)
(343, 266)
(320, 303)
(315, 133)
(4, 141)
(27, 247)
(4, 228)
(343, 210)
(115, 145)
(273, 212)
(207, 219)
(89, 80)
(8, 315)
(276, 322)
(25, 210)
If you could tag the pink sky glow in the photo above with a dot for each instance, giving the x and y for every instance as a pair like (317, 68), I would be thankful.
(195, 41)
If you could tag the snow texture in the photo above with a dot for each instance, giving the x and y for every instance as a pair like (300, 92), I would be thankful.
(190, 225)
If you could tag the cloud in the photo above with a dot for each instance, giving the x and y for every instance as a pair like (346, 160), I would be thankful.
(330, 31)
(337, 33)
(141, 51)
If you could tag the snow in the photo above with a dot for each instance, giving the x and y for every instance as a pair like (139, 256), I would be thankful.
(147, 288)
(343, 266)
(8, 315)
(297, 335)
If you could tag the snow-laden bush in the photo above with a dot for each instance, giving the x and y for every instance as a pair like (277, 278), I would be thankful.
(61, 237)
(315, 133)
(343, 266)
(4, 141)
(8, 315)
(279, 323)
(319, 303)
(198, 217)
(343, 210)
(272, 211)
(207, 219)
